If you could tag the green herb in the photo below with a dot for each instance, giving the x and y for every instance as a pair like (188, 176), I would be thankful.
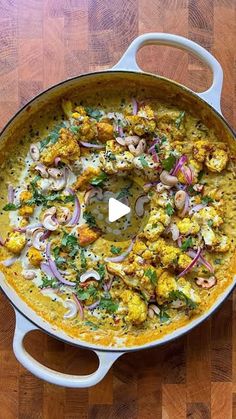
(143, 161)
(181, 296)
(86, 293)
(207, 200)
(164, 317)
(44, 143)
(90, 219)
(124, 192)
(52, 137)
(110, 156)
(179, 120)
(92, 325)
(210, 223)
(83, 260)
(70, 243)
(192, 190)
(151, 274)
(163, 139)
(99, 180)
(218, 261)
(74, 129)
(200, 175)
(68, 198)
(169, 162)
(93, 113)
(58, 259)
(11, 207)
(115, 250)
(169, 209)
(108, 304)
(101, 270)
(48, 282)
(187, 243)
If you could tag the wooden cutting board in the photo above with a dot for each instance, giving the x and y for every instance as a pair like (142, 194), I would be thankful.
(41, 43)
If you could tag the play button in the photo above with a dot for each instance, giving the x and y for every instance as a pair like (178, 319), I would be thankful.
(116, 210)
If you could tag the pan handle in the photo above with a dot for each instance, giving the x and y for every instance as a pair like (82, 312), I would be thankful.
(23, 326)
(128, 60)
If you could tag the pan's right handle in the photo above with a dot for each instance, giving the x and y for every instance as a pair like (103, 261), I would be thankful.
(128, 60)
(106, 359)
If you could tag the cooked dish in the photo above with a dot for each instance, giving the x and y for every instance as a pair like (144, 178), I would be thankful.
(154, 273)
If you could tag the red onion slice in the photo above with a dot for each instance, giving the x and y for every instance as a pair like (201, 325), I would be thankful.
(191, 265)
(44, 266)
(180, 162)
(186, 206)
(121, 257)
(135, 106)
(77, 210)
(80, 307)
(54, 269)
(121, 132)
(196, 208)
(93, 306)
(91, 145)
(10, 194)
(57, 161)
(9, 262)
(187, 172)
(202, 261)
(2, 241)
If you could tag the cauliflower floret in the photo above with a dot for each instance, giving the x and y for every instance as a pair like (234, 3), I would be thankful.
(66, 148)
(200, 150)
(86, 235)
(185, 287)
(87, 130)
(223, 244)
(156, 224)
(167, 254)
(139, 247)
(79, 113)
(171, 121)
(188, 226)
(208, 214)
(113, 147)
(160, 199)
(26, 210)
(35, 257)
(196, 168)
(137, 309)
(83, 180)
(123, 162)
(217, 160)
(15, 242)
(165, 284)
(184, 260)
(146, 164)
(138, 125)
(105, 131)
(208, 235)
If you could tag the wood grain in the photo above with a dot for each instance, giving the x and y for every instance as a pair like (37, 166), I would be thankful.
(43, 42)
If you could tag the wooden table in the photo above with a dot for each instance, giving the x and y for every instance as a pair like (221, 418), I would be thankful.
(43, 42)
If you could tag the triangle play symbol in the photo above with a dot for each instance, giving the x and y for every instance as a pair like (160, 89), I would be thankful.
(116, 210)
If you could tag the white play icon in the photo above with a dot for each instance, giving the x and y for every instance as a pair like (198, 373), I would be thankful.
(116, 210)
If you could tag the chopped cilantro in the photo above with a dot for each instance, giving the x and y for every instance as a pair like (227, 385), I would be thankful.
(92, 325)
(187, 243)
(143, 161)
(74, 129)
(115, 250)
(181, 296)
(90, 219)
(44, 143)
(169, 162)
(70, 243)
(200, 175)
(69, 198)
(218, 261)
(210, 223)
(207, 200)
(11, 207)
(151, 274)
(169, 209)
(164, 317)
(52, 137)
(48, 282)
(83, 260)
(101, 270)
(179, 120)
(124, 192)
(99, 180)
(86, 293)
(93, 113)
(108, 304)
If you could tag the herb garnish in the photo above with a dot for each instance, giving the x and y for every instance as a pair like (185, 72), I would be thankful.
(48, 282)
(179, 120)
(90, 219)
(169, 209)
(115, 250)
(164, 317)
(98, 180)
(108, 304)
(143, 161)
(187, 243)
(181, 296)
(151, 274)
(93, 113)
(101, 270)
(207, 200)
(169, 162)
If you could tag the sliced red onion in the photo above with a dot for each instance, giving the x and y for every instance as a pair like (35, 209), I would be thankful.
(180, 162)
(187, 172)
(45, 235)
(186, 206)
(179, 241)
(10, 194)
(91, 193)
(135, 106)
(77, 209)
(121, 132)
(91, 145)
(27, 228)
(54, 269)
(202, 260)
(121, 257)
(196, 208)
(9, 262)
(45, 268)
(93, 306)
(80, 307)
(107, 285)
(191, 265)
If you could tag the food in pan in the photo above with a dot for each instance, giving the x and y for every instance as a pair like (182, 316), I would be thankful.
(138, 279)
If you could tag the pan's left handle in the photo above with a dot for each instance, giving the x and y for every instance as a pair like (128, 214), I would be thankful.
(106, 359)
(128, 60)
